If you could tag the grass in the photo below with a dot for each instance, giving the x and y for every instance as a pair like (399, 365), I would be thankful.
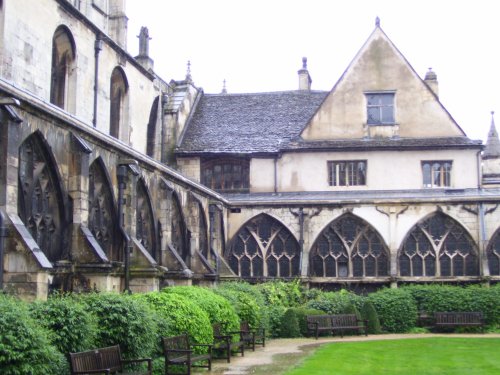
(426, 356)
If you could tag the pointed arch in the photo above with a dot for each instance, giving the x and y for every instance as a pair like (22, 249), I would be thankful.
(178, 228)
(102, 210)
(63, 71)
(152, 130)
(202, 231)
(118, 111)
(349, 247)
(145, 230)
(264, 247)
(41, 203)
(493, 254)
(438, 246)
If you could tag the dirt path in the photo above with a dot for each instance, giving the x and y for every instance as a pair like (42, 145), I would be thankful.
(280, 353)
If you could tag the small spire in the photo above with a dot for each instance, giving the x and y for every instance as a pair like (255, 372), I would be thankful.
(144, 39)
(377, 22)
(188, 73)
(492, 149)
(430, 75)
(224, 90)
(304, 63)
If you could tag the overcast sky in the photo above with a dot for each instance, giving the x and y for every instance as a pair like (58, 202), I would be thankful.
(258, 45)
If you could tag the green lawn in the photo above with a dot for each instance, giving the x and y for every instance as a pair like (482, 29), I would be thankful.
(426, 356)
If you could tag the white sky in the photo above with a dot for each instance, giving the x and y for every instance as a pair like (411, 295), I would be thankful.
(257, 45)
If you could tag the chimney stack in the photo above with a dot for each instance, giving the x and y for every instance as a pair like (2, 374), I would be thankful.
(431, 80)
(304, 77)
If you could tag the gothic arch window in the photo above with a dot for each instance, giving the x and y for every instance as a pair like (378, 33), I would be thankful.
(349, 247)
(264, 247)
(178, 228)
(40, 198)
(118, 104)
(63, 72)
(438, 246)
(145, 222)
(102, 212)
(493, 254)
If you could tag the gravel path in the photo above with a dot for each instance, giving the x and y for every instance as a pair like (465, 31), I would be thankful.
(264, 356)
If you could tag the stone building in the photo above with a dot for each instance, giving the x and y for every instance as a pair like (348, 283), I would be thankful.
(112, 178)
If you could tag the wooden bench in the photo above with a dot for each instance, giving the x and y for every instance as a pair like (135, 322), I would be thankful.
(458, 319)
(252, 337)
(104, 361)
(179, 352)
(348, 322)
(225, 343)
(319, 323)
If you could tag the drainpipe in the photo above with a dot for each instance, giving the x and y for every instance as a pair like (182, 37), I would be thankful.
(122, 184)
(3, 234)
(301, 237)
(97, 49)
(275, 174)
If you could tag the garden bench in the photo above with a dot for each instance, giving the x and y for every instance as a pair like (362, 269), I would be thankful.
(348, 322)
(252, 337)
(225, 343)
(458, 319)
(319, 323)
(179, 352)
(104, 361)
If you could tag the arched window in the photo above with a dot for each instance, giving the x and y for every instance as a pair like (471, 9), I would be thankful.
(145, 222)
(493, 254)
(40, 198)
(438, 246)
(349, 247)
(264, 247)
(63, 73)
(118, 104)
(102, 213)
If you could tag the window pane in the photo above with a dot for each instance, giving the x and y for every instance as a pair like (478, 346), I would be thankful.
(387, 99)
(361, 173)
(426, 172)
(373, 115)
(387, 115)
(342, 174)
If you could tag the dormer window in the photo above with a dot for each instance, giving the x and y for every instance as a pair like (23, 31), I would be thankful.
(380, 108)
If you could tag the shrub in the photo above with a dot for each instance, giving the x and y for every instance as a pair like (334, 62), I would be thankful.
(73, 328)
(218, 308)
(275, 318)
(369, 314)
(181, 314)
(335, 302)
(301, 313)
(396, 308)
(25, 346)
(286, 294)
(289, 326)
(351, 309)
(124, 320)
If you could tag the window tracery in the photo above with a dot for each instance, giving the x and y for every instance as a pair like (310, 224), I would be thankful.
(264, 247)
(493, 254)
(349, 247)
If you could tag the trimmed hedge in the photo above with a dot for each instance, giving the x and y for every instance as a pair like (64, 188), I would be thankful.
(369, 313)
(396, 308)
(74, 329)
(335, 302)
(25, 346)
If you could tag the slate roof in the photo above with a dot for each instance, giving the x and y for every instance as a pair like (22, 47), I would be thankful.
(248, 123)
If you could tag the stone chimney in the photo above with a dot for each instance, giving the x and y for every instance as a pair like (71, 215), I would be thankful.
(431, 80)
(304, 77)
(143, 57)
(118, 22)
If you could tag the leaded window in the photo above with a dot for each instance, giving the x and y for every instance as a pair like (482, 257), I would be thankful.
(40, 202)
(436, 173)
(438, 246)
(349, 247)
(347, 173)
(264, 247)
(493, 254)
(380, 108)
(63, 72)
(226, 174)
(145, 224)
(102, 216)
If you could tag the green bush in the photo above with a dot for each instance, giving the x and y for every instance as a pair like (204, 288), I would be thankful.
(369, 314)
(335, 302)
(25, 346)
(247, 301)
(289, 326)
(73, 328)
(396, 308)
(218, 308)
(275, 318)
(286, 294)
(181, 314)
(301, 313)
(124, 320)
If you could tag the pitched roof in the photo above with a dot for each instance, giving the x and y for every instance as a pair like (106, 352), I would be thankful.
(248, 123)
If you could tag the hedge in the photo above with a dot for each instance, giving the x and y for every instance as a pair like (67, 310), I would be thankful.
(396, 309)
